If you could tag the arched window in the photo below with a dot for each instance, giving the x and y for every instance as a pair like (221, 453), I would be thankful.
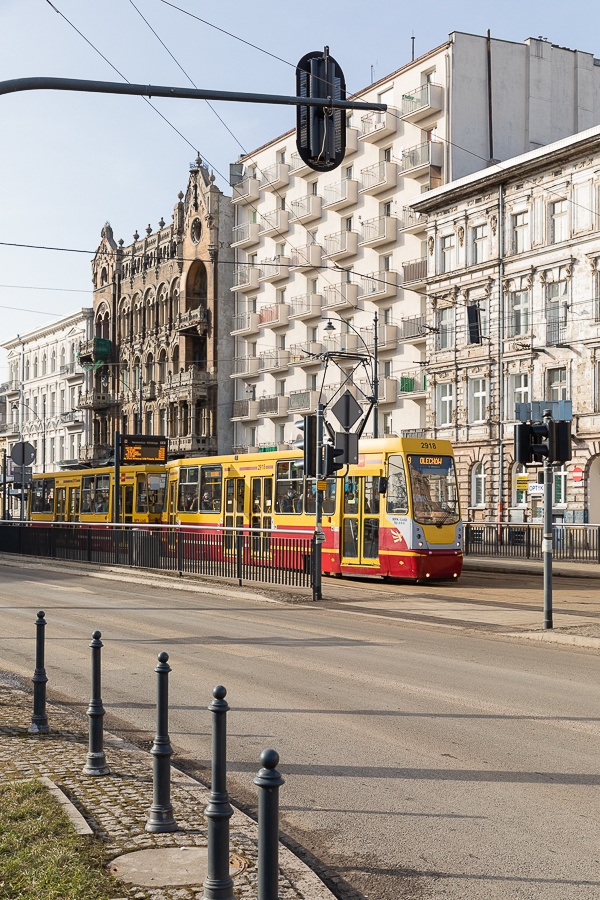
(53, 361)
(162, 366)
(63, 357)
(44, 364)
(478, 485)
(27, 370)
(35, 367)
(149, 368)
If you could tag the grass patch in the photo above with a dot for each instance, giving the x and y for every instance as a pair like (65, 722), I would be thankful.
(40, 854)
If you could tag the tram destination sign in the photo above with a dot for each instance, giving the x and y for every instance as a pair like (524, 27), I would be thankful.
(143, 448)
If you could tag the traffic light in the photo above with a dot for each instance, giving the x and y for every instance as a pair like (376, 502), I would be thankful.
(320, 132)
(535, 441)
(308, 442)
(331, 463)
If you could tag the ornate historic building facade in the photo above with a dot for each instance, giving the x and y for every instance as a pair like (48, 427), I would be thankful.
(161, 355)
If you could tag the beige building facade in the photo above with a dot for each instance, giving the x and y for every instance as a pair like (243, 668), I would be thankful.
(516, 247)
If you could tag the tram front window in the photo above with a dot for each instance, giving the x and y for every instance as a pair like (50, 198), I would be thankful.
(434, 489)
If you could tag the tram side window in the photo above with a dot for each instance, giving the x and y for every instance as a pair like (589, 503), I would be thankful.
(157, 489)
(187, 500)
(142, 494)
(102, 493)
(397, 493)
(288, 487)
(43, 496)
(310, 497)
(87, 494)
(210, 488)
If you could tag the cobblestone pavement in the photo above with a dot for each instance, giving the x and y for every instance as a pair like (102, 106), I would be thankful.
(116, 805)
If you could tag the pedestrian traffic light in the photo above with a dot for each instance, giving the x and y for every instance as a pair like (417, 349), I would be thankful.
(536, 441)
(331, 463)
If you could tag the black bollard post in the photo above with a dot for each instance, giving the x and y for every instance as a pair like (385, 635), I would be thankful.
(269, 781)
(39, 719)
(96, 760)
(218, 884)
(160, 818)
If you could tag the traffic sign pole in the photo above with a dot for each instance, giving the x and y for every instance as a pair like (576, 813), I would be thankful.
(319, 536)
(547, 538)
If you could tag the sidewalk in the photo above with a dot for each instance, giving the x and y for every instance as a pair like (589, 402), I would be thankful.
(115, 807)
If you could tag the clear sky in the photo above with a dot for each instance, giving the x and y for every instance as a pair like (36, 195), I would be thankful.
(69, 162)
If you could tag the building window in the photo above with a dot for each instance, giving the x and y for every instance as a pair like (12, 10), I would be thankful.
(478, 394)
(557, 384)
(556, 311)
(559, 222)
(520, 232)
(447, 260)
(445, 328)
(520, 388)
(445, 403)
(478, 485)
(519, 313)
(478, 244)
(387, 423)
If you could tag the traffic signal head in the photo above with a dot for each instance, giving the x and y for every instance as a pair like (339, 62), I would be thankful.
(308, 425)
(536, 441)
(331, 462)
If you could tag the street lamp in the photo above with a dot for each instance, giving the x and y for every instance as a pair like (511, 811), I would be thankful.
(43, 426)
(330, 327)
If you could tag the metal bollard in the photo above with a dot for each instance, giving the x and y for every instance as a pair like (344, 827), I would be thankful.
(269, 781)
(96, 760)
(160, 818)
(218, 885)
(39, 719)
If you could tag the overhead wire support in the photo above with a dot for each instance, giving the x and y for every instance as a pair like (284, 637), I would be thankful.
(45, 83)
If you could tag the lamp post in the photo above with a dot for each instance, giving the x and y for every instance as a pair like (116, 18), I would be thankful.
(374, 361)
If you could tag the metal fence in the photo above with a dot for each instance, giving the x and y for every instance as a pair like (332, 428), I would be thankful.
(281, 557)
(576, 543)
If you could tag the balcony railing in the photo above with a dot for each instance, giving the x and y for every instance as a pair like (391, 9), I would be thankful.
(275, 176)
(422, 156)
(305, 209)
(340, 296)
(10, 387)
(245, 278)
(307, 257)
(413, 327)
(556, 333)
(193, 318)
(276, 221)
(387, 336)
(306, 306)
(274, 269)
(245, 323)
(379, 177)
(376, 125)
(306, 353)
(245, 234)
(424, 101)
(96, 350)
(275, 315)
(273, 405)
(415, 270)
(412, 383)
(97, 400)
(298, 165)
(245, 365)
(410, 220)
(272, 360)
(379, 285)
(245, 191)
(341, 194)
(303, 401)
(73, 417)
(341, 244)
(245, 409)
(71, 369)
(380, 230)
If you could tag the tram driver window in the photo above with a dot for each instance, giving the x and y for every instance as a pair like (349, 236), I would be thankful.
(288, 487)
(397, 494)
(210, 489)
(187, 498)
(102, 493)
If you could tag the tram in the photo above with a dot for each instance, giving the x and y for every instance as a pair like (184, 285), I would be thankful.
(87, 495)
(394, 514)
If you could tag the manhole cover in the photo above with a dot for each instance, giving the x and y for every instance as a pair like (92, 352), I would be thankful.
(169, 867)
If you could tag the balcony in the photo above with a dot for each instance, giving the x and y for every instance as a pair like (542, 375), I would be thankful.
(245, 191)
(273, 360)
(96, 400)
(414, 433)
(9, 428)
(413, 330)
(379, 285)
(192, 443)
(274, 222)
(416, 161)
(378, 231)
(72, 419)
(307, 257)
(341, 194)
(10, 387)
(387, 391)
(245, 278)
(377, 125)
(245, 323)
(351, 141)
(298, 166)
(414, 272)
(306, 306)
(95, 351)
(245, 366)
(245, 235)
(245, 409)
(188, 383)
(425, 101)
(71, 371)
(412, 222)
(306, 353)
(274, 269)
(380, 177)
(341, 244)
(275, 177)
(306, 209)
(340, 296)
(303, 401)
(387, 337)
(556, 333)
(273, 406)
(275, 316)
(195, 320)
(412, 383)
(347, 342)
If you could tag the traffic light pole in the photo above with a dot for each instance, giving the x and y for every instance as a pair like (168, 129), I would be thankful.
(547, 543)
(319, 537)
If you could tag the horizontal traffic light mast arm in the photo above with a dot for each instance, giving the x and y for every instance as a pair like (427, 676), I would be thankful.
(42, 83)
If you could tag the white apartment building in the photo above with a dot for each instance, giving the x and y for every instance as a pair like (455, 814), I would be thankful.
(520, 243)
(346, 246)
(42, 393)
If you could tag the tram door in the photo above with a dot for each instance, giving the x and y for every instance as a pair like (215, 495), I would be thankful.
(172, 502)
(73, 504)
(61, 504)
(235, 494)
(126, 512)
(359, 543)
(260, 513)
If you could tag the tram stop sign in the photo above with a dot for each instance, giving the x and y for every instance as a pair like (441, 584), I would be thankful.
(347, 410)
(23, 453)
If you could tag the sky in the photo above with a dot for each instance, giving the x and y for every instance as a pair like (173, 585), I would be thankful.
(69, 162)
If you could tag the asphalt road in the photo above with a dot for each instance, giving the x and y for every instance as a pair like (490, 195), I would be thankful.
(421, 760)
